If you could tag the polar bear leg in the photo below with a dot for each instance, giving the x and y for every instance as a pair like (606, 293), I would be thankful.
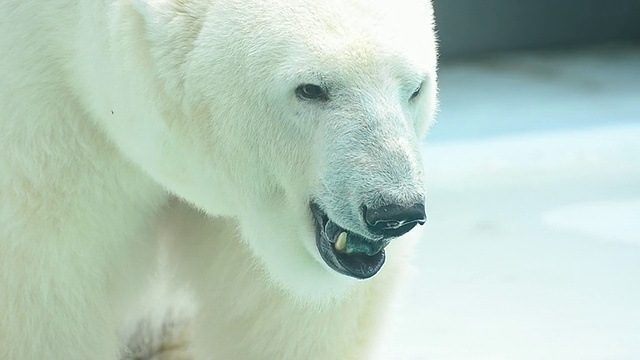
(63, 297)
(54, 305)
(74, 217)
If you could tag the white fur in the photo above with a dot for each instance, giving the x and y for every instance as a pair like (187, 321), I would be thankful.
(109, 109)
(245, 315)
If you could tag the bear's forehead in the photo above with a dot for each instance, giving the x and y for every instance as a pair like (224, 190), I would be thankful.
(366, 37)
(365, 53)
(360, 50)
(369, 38)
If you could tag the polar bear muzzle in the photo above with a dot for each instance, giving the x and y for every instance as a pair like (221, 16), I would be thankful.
(355, 255)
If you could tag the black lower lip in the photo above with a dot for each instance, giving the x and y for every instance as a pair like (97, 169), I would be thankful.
(359, 266)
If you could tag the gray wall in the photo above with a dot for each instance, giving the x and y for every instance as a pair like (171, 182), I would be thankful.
(478, 26)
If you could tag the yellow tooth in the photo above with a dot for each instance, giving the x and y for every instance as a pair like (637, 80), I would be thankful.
(341, 243)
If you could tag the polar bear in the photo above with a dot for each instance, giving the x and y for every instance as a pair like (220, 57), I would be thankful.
(273, 145)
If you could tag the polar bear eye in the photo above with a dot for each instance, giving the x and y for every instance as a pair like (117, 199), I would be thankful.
(416, 92)
(311, 92)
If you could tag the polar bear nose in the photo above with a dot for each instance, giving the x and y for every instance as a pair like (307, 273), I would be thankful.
(394, 220)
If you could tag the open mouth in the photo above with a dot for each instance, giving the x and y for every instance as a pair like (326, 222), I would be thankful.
(346, 252)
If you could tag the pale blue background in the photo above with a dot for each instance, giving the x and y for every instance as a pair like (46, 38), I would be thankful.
(532, 248)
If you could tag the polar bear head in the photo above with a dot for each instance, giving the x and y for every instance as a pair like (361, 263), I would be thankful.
(301, 119)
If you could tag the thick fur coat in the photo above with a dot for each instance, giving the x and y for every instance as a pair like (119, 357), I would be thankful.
(127, 121)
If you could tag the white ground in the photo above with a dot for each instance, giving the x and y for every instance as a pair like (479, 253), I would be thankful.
(532, 248)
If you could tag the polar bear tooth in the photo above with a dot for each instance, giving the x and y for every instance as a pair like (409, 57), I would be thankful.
(341, 243)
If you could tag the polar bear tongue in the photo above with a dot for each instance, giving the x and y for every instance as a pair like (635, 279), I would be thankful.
(359, 264)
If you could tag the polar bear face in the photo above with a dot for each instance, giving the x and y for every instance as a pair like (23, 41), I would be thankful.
(301, 119)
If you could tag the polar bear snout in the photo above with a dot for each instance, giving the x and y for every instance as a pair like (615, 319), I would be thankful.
(393, 220)
(359, 250)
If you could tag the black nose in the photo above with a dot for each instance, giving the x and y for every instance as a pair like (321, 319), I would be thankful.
(394, 220)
